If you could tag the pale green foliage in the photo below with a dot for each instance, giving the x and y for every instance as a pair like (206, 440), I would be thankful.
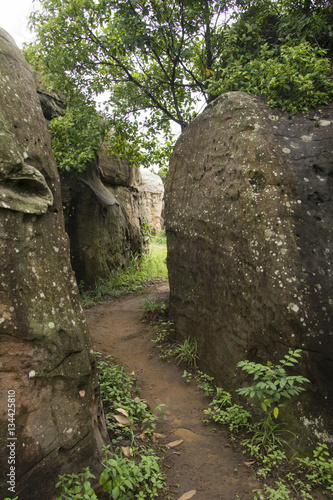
(206, 383)
(273, 383)
(222, 411)
(117, 391)
(187, 376)
(264, 443)
(142, 270)
(156, 60)
(123, 477)
(319, 470)
(152, 57)
(272, 387)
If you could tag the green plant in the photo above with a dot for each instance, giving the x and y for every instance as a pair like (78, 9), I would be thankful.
(142, 270)
(319, 470)
(117, 391)
(292, 78)
(282, 492)
(148, 306)
(272, 386)
(76, 486)
(186, 352)
(151, 310)
(126, 478)
(160, 238)
(76, 137)
(222, 411)
(273, 459)
(187, 376)
(164, 332)
(205, 382)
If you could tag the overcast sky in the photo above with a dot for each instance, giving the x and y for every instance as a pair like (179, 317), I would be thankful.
(14, 19)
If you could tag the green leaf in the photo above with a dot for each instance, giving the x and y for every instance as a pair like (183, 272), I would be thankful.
(276, 412)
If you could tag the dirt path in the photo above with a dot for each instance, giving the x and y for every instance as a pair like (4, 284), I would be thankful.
(205, 461)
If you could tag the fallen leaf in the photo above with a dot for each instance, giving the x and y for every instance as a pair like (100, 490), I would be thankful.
(248, 464)
(175, 443)
(123, 421)
(142, 436)
(127, 451)
(124, 412)
(159, 436)
(188, 495)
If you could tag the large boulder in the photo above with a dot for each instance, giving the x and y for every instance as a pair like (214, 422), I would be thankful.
(249, 212)
(105, 217)
(152, 192)
(50, 409)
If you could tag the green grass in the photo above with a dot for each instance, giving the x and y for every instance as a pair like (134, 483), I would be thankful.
(142, 270)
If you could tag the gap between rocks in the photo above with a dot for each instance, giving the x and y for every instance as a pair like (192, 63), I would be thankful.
(206, 460)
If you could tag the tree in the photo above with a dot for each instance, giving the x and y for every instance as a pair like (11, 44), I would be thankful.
(153, 58)
(281, 50)
(157, 59)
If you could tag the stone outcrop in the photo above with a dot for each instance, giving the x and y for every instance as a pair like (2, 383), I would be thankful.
(249, 204)
(50, 410)
(104, 216)
(152, 192)
(106, 208)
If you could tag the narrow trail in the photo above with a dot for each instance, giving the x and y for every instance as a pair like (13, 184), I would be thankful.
(205, 461)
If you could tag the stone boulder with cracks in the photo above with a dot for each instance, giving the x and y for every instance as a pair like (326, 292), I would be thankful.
(50, 410)
(249, 204)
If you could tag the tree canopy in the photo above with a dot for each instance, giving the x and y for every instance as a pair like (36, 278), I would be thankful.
(155, 60)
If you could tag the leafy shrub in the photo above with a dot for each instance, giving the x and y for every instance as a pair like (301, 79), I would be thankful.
(76, 136)
(319, 470)
(222, 411)
(125, 478)
(117, 391)
(291, 78)
(76, 486)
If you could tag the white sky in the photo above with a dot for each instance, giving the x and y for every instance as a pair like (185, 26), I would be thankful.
(14, 19)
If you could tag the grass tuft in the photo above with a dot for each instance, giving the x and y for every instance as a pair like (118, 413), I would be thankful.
(142, 270)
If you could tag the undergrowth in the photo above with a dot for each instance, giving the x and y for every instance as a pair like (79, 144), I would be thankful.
(264, 438)
(142, 270)
(131, 464)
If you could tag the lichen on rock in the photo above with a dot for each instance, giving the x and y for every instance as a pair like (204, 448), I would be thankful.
(46, 357)
(249, 229)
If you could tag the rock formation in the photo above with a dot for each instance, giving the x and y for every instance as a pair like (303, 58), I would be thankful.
(50, 411)
(152, 191)
(249, 204)
(106, 208)
(104, 216)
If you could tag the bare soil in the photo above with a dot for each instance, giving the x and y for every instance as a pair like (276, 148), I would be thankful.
(206, 461)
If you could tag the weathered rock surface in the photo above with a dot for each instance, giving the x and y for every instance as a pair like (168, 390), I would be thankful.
(53, 104)
(152, 191)
(104, 216)
(106, 208)
(47, 364)
(249, 204)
